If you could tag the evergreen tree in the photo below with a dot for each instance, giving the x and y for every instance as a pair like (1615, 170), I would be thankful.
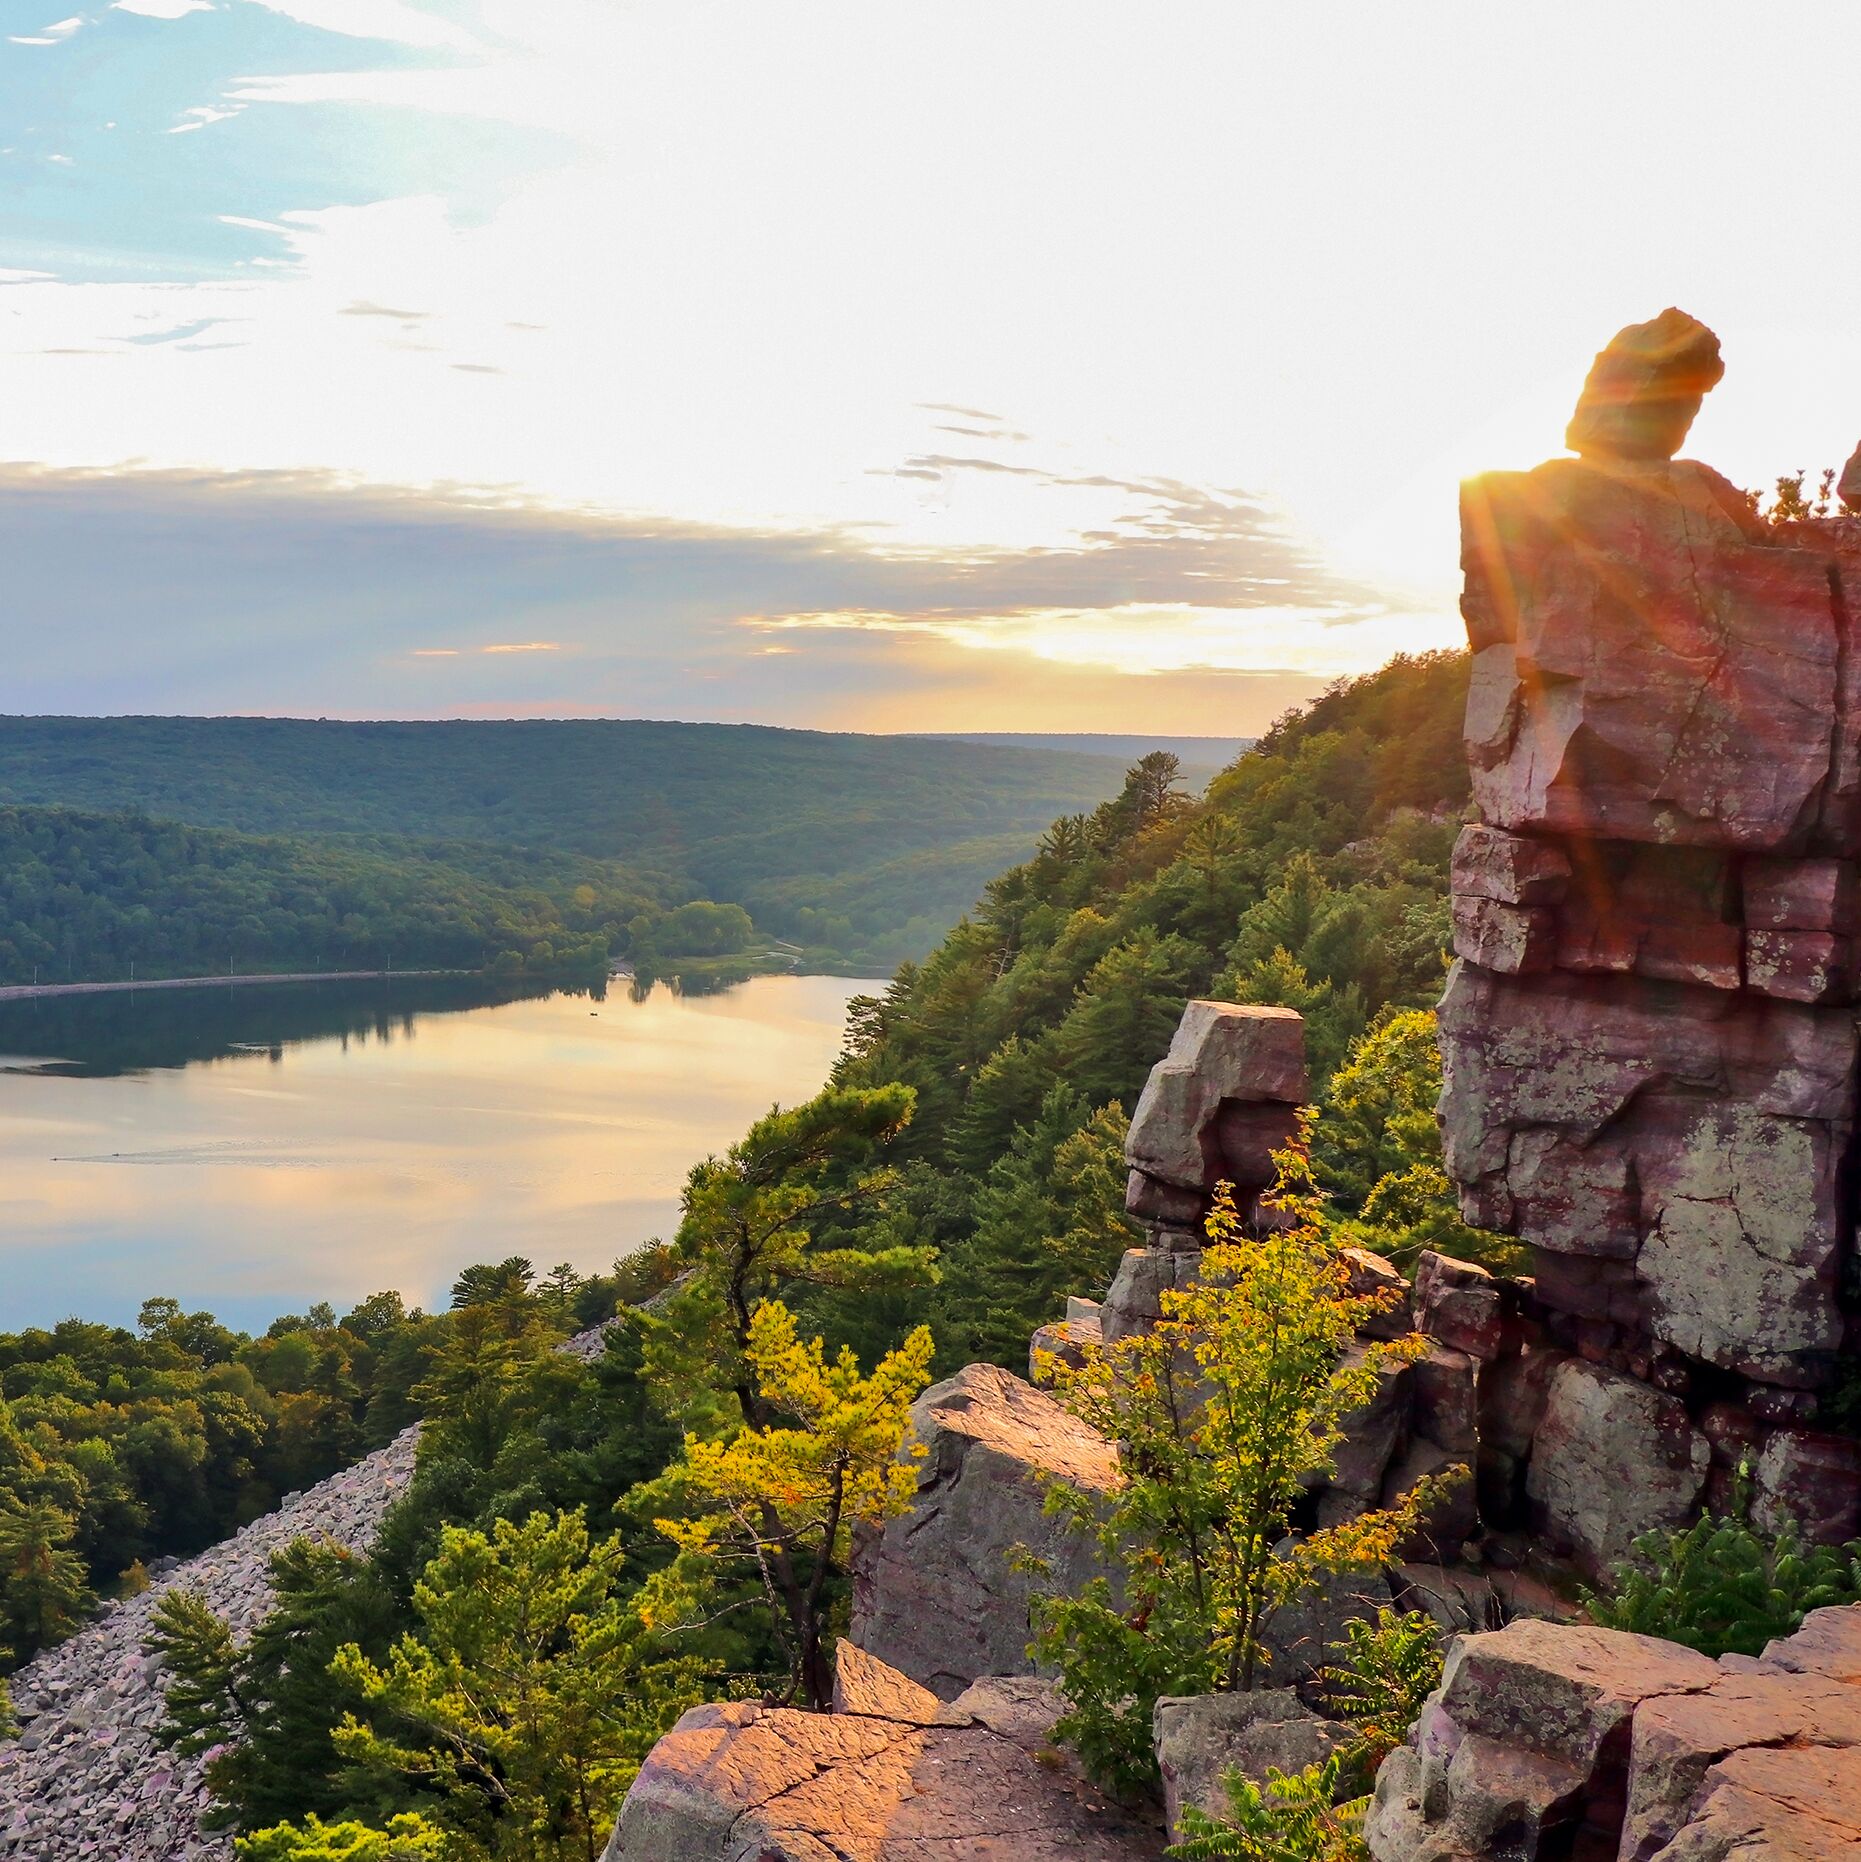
(526, 1699)
(43, 1595)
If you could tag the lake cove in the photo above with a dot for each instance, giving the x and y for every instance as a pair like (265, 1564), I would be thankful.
(253, 1150)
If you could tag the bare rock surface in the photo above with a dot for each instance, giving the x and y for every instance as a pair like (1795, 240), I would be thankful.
(737, 1782)
(1200, 1737)
(1645, 388)
(1549, 1741)
(935, 1594)
(86, 1778)
(1612, 1459)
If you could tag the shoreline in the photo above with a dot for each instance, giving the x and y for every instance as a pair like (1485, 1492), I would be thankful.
(30, 992)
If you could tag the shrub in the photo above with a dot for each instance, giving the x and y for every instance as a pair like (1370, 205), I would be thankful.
(1724, 1588)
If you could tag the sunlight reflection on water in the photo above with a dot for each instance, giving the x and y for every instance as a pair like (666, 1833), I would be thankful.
(327, 1165)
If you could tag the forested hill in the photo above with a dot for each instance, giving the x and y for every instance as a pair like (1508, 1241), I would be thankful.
(866, 846)
(1314, 875)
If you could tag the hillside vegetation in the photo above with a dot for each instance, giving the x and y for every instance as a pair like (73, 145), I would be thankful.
(84, 896)
(866, 849)
(594, 1544)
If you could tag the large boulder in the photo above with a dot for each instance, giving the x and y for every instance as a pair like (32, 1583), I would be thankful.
(1848, 486)
(937, 1593)
(1216, 1106)
(900, 1778)
(1551, 1742)
(1644, 389)
(1529, 1729)
(1201, 1737)
(1648, 666)
(1612, 1459)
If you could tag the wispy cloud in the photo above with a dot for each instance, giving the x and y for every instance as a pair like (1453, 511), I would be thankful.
(54, 34)
(201, 115)
(285, 592)
(162, 9)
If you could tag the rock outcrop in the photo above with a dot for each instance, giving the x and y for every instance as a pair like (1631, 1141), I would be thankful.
(937, 1594)
(86, 1778)
(1649, 1041)
(1644, 390)
(1553, 1741)
(892, 1775)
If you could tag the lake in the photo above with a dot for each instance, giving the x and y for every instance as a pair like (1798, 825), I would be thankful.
(252, 1150)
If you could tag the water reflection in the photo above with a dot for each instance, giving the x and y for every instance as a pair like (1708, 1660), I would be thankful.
(252, 1150)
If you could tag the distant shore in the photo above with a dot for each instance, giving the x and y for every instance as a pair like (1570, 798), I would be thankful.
(25, 992)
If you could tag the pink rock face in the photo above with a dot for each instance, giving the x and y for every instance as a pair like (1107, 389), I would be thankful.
(1645, 668)
(1550, 1740)
(1848, 486)
(1695, 1136)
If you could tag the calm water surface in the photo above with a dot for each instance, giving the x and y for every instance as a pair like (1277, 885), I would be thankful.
(253, 1150)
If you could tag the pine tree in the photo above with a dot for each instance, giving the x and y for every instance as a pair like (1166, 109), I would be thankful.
(43, 1593)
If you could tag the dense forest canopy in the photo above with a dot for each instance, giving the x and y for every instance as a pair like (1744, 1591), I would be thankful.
(863, 848)
(960, 1176)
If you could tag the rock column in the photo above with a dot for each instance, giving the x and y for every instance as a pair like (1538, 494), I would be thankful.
(1649, 1040)
(1215, 1109)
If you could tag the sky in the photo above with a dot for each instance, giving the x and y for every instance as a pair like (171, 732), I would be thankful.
(864, 366)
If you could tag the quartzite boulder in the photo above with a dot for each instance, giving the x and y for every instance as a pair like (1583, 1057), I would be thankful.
(1612, 1459)
(1524, 1744)
(1848, 486)
(1644, 390)
(1647, 665)
(936, 1594)
(1201, 1737)
(1217, 1106)
(1547, 1742)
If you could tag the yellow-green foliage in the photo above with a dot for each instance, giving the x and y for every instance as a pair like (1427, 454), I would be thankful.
(782, 1498)
(1225, 1413)
(407, 1838)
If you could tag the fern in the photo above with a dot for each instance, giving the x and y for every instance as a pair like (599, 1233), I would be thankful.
(1291, 1818)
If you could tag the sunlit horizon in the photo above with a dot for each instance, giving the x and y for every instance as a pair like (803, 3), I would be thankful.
(1041, 368)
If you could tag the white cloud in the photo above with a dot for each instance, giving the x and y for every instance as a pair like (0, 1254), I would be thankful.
(163, 9)
(377, 19)
(54, 34)
(200, 115)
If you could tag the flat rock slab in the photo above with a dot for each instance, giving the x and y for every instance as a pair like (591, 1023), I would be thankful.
(737, 1782)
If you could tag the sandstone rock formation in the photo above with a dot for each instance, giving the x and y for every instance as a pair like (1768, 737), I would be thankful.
(935, 1594)
(1645, 388)
(86, 1778)
(892, 1775)
(1649, 1042)
(1555, 1741)
(1848, 486)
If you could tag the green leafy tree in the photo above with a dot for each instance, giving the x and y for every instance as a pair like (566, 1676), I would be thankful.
(782, 1499)
(527, 1698)
(768, 1218)
(1224, 1413)
(1292, 1817)
(1048, 1221)
(407, 1838)
(1385, 1670)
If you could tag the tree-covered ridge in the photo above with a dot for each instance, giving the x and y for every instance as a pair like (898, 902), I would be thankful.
(84, 896)
(866, 848)
(1313, 875)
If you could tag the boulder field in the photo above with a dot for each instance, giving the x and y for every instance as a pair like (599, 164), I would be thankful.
(87, 1778)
